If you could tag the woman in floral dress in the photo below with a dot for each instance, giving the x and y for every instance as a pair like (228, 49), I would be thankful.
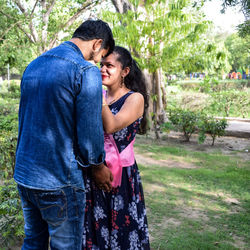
(117, 219)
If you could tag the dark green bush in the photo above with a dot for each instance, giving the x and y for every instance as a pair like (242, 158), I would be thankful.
(11, 91)
(9, 122)
(213, 127)
(190, 122)
(8, 140)
(11, 218)
(185, 121)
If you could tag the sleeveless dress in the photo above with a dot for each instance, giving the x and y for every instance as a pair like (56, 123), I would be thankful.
(117, 220)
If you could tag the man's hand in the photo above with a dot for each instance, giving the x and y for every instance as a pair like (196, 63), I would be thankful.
(102, 177)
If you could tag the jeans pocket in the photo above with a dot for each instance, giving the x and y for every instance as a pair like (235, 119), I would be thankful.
(53, 206)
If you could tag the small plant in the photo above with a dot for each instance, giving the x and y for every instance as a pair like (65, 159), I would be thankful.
(185, 121)
(213, 127)
(208, 85)
(205, 86)
(224, 100)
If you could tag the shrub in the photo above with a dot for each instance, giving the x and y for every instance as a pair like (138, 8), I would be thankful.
(224, 101)
(11, 91)
(190, 122)
(213, 127)
(11, 218)
(185, 121)
(8, 140)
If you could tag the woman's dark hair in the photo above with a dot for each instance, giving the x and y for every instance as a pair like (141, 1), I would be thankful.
(96, 29)
(134, 80)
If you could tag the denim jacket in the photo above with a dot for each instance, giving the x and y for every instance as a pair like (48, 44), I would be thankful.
(59, 120)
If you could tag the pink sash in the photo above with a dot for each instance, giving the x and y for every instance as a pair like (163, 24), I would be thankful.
(115, 160)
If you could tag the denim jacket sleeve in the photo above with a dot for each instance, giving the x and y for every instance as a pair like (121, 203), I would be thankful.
(89, 118)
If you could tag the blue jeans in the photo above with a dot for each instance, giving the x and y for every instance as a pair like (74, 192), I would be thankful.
(58, 215)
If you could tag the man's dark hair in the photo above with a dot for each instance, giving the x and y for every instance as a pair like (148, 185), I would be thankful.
(96, 29)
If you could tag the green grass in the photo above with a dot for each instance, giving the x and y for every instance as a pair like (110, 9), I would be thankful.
(201, 203)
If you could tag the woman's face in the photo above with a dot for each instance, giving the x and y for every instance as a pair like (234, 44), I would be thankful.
(111, 70)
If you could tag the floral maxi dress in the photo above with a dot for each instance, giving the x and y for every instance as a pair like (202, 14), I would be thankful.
(117, 220)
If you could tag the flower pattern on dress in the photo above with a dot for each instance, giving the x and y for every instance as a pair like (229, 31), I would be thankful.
(105, 235)
(132, 211)
(121, 134)
(114, 110)
(114, 241)
(134, 241)
(99, 213)
(118, 203)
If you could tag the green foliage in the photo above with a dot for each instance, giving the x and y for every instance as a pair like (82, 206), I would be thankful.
(213, 127)
(8, 127)
(244, 29)
(208, 85)
(218, 98)
(11, 91)
(239, 49)
(28, 28)
(11, 218)
(211, 84)
(185, 121)
(159, 32)
(226, 99)
(190, 122)
(8, 140)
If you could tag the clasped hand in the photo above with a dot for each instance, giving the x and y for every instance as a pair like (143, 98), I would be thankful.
(102, 177)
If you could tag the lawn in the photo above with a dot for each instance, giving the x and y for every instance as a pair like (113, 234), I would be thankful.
(194, 199)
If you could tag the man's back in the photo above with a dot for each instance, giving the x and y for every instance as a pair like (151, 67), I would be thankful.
(51, 113)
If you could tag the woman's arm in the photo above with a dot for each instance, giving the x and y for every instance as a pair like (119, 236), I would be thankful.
(131, 110)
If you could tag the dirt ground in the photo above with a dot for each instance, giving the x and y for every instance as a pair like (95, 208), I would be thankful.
(226, 144)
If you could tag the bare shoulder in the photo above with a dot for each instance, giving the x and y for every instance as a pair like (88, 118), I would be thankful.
(135, 97)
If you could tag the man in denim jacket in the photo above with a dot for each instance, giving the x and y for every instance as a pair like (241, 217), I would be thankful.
(60, 124)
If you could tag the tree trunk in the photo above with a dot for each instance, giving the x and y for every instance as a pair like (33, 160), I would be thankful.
(155, 87)
(158, 100)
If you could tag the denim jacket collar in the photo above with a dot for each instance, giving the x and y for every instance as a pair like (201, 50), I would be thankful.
(74, 46)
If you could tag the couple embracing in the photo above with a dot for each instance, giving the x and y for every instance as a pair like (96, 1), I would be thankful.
(75, 168)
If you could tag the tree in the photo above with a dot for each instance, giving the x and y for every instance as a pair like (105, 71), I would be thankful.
(32, 27)
(208, 55)
(244, 28)
(239, 49)
(158, 34)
